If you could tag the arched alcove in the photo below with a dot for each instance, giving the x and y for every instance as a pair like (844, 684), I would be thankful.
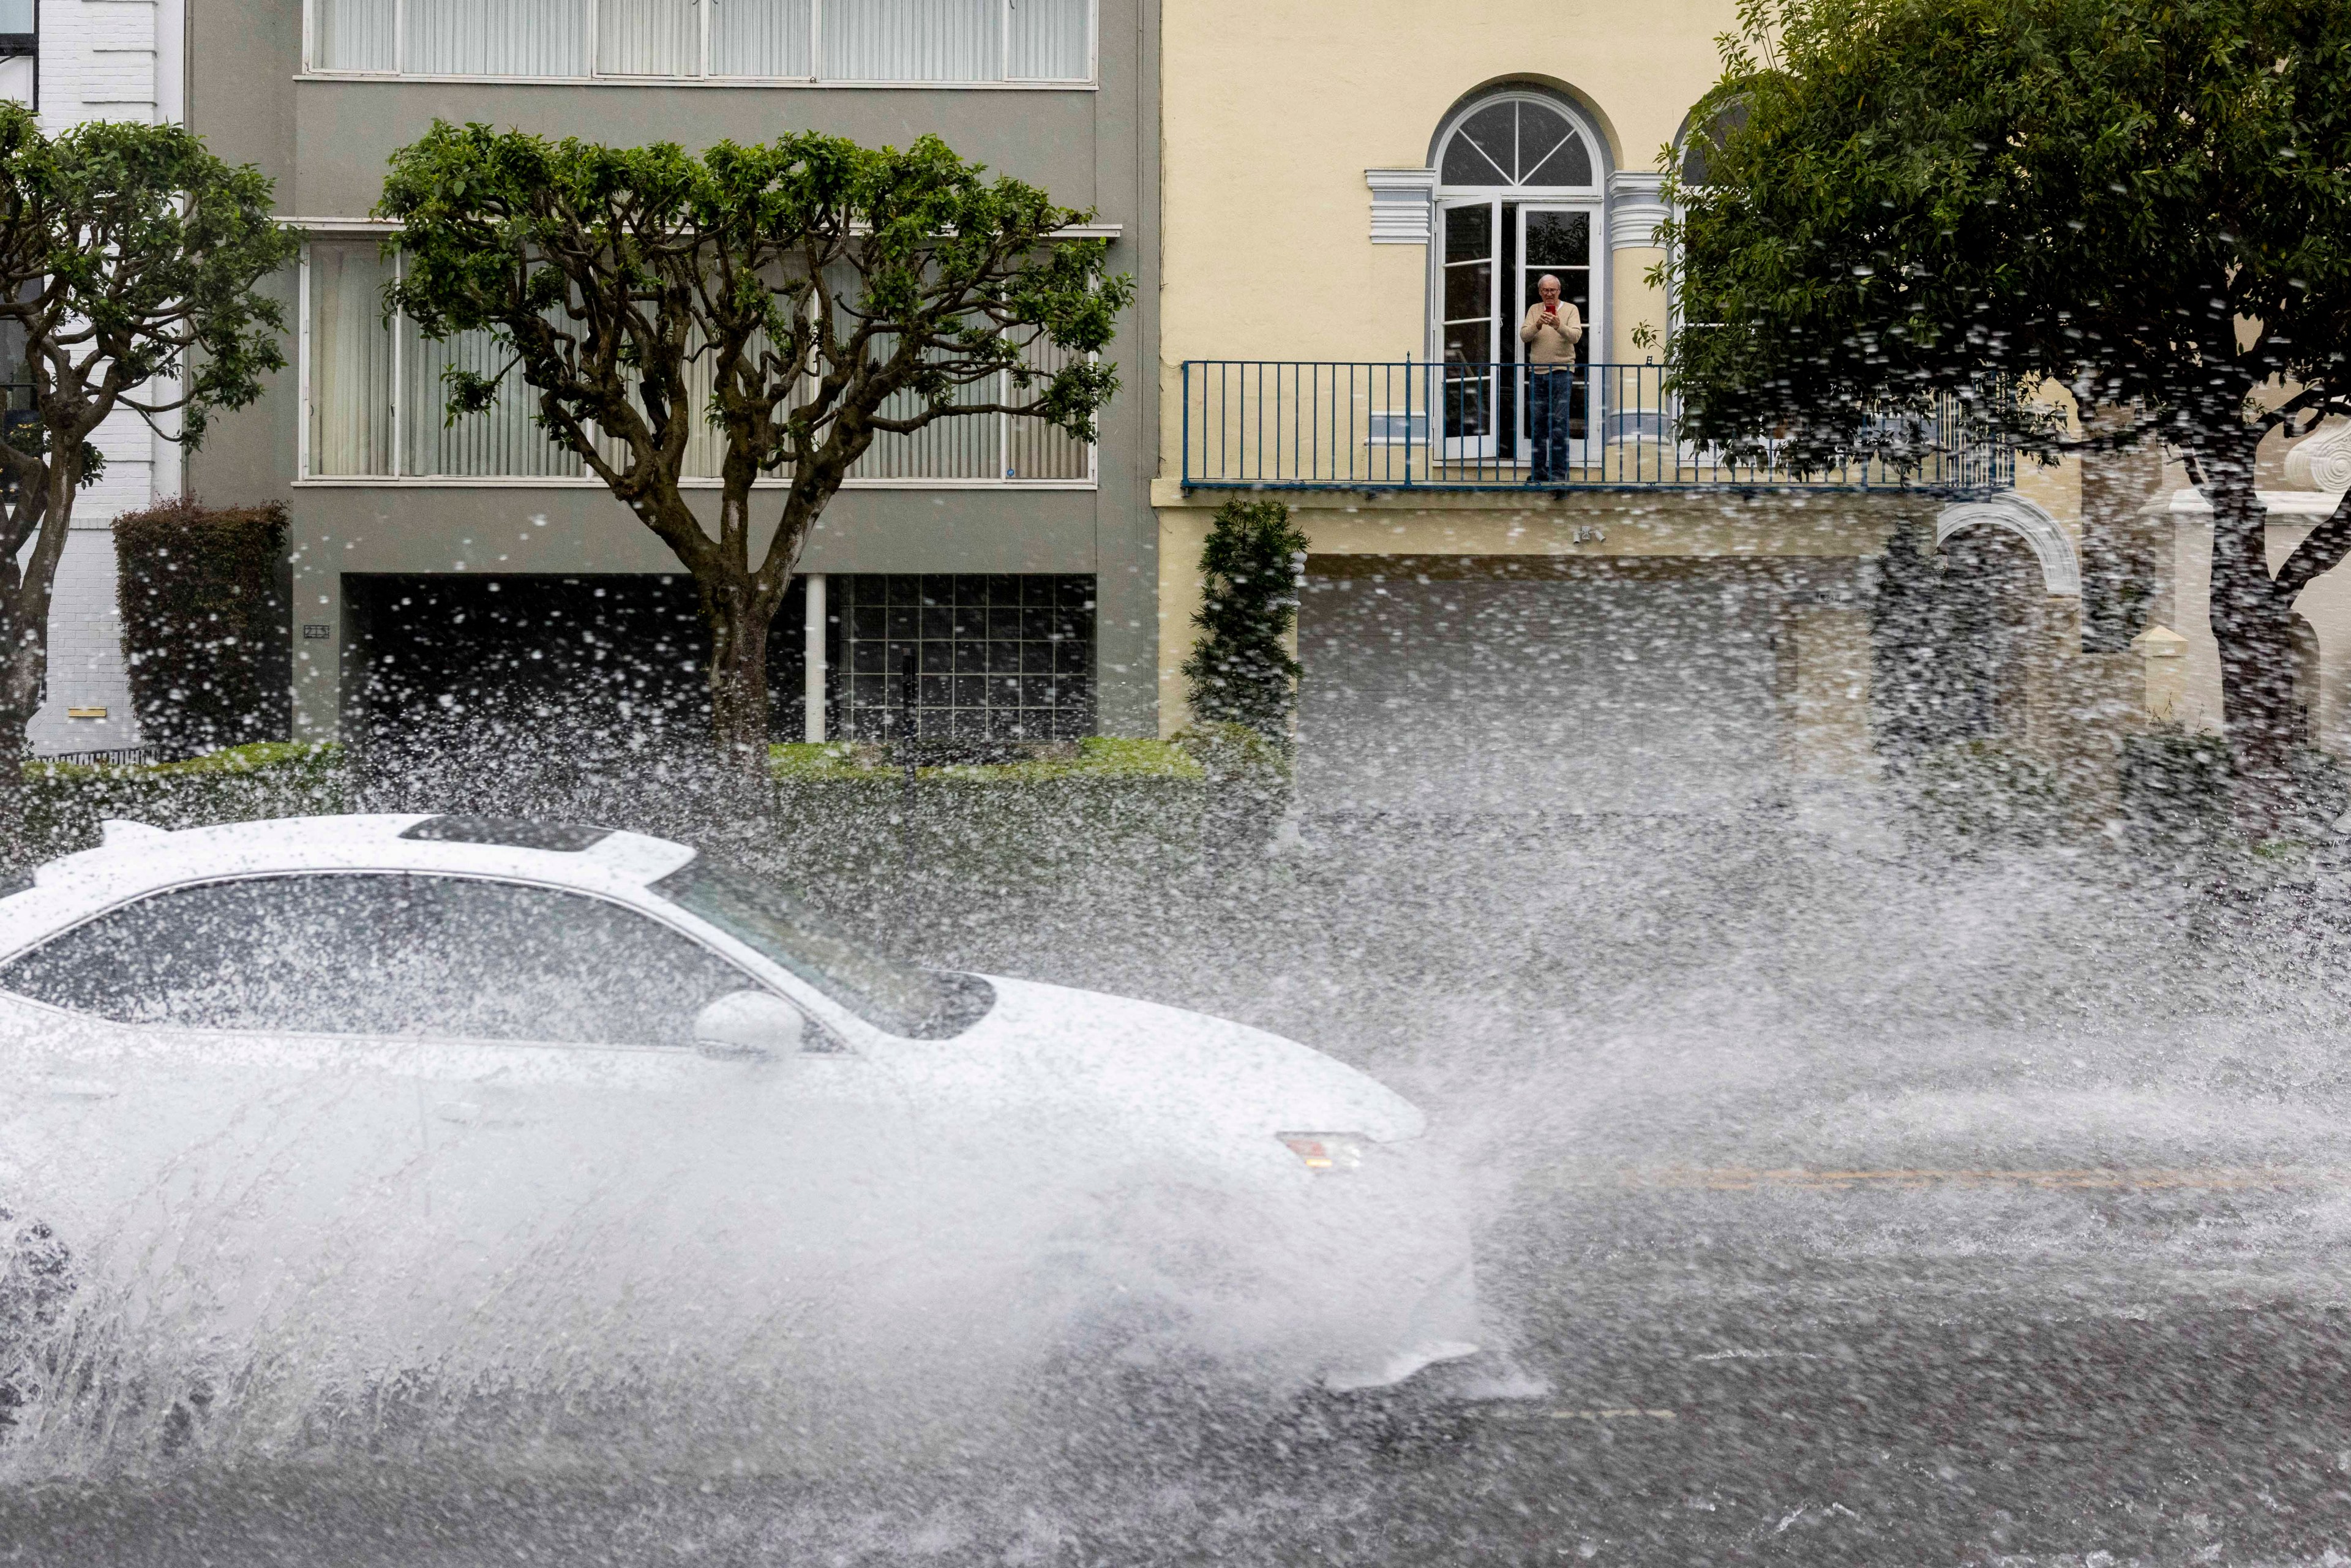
(2061, 567)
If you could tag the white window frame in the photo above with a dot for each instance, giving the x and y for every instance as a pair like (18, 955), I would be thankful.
(701, 76)
(320, 232)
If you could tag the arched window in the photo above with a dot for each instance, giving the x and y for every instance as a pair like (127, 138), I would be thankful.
(1519, 194)
(1516, 141)
(1696, 147)
(1698, 143)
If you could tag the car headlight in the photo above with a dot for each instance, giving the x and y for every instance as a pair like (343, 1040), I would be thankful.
(1327, 1150)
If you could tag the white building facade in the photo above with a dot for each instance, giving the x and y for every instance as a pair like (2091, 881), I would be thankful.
(77, 60)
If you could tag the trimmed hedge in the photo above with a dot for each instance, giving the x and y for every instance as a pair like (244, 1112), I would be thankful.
(1096, 756)
(842, 815)
(837, 815)
(1972, 794)
(66, 802)
(203, 627)
(2177, 784)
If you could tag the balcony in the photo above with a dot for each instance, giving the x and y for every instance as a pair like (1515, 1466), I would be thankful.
(1293, 425)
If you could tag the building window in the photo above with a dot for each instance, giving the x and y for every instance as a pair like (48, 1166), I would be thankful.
(20, 52)
(375, 406)
(1698, 145)
(960, 42)
(1515, 142)
(964, 657)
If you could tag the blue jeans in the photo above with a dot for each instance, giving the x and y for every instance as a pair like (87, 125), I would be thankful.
(1549, 391)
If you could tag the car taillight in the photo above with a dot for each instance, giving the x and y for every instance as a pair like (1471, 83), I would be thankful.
(1326, 1151)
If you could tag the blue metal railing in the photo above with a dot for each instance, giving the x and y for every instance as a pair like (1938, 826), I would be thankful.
(1307, 424)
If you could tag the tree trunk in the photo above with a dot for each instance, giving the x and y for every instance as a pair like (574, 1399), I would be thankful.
(738, 680)
(16, 847)
(23, 674)
(2119, 552)
(2252, 623)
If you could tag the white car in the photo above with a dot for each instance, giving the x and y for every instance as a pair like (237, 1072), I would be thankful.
(324, 1100)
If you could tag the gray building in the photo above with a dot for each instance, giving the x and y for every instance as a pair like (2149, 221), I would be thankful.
(461, 574)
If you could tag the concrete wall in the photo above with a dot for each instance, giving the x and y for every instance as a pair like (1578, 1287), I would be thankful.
(1831, 696)
(2194, 689)
(326, 142)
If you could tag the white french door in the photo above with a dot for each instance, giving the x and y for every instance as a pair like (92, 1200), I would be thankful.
(1558, 240)
(1495, 251)
(1469, 301)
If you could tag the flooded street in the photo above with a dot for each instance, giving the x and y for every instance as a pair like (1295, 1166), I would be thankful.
(1838, 1201)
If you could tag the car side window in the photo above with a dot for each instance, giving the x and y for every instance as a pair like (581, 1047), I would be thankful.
(380, 954)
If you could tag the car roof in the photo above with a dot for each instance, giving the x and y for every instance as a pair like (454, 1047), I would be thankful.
(135, 858)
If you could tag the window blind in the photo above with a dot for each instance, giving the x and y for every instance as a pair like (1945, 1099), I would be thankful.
(649, 37)
(761, 39)
(835, 40)
(497, 38)
(350, 361)
(353, 394)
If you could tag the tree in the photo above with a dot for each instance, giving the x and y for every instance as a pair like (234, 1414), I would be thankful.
(129, 264)
(1240, 671)
(797, 299)
(2147, 202)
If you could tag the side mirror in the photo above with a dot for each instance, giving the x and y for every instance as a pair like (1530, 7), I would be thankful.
(749, 1025)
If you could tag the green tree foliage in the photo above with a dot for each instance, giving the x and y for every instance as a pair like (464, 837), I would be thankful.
(799, 298)
(1240, 671)
(2147, 202)
(131, 267)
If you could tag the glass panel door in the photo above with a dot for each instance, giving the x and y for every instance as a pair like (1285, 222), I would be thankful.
(1467, 388)
(1557, 241)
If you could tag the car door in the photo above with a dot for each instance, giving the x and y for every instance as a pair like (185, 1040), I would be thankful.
(192, 1100)
(599, 1189)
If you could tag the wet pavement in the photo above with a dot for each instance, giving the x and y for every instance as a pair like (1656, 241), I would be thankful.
(1835, 1208)
(1896, 1413)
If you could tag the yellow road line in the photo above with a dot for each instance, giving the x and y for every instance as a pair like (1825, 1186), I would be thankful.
(1741, 1179)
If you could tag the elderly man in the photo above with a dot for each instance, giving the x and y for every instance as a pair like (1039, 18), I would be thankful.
(1551, 331)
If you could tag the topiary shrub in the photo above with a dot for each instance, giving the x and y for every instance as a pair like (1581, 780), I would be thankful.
(1240, 671)
(203, 627)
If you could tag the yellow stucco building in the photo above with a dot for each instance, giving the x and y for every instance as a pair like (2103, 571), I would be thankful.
(1359, 205)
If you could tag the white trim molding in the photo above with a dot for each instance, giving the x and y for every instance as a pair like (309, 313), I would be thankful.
(2322, 460)
(2061, 569)
(1402, 200)
(1018, 84)
(1635, 207)
(2282, 508)
(331, 227)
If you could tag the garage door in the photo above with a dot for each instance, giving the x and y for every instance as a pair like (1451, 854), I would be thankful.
(1621, 695)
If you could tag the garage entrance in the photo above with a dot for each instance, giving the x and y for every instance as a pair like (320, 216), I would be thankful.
(1518, 687)
(593, 665)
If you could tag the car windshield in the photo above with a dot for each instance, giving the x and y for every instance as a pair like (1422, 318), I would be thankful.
(919, 1004)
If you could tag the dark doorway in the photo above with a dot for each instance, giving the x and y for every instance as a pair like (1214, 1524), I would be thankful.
(593, 667)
